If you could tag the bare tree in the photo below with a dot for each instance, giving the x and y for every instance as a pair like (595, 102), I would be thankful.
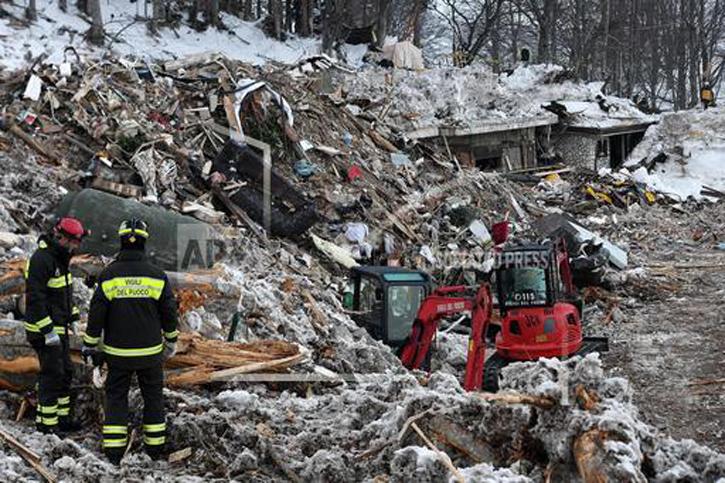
(248, 10)
(83, 6)
(96, 33)
(63, 5)
(31, 13)
(277, 16)
(383, 18)
(304, 17)
(212, 12)
(333, 17)
(471, 22)
(159, 14)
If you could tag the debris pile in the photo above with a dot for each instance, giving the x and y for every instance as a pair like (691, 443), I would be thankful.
(171, 136)
(563, 419)
(161, 134)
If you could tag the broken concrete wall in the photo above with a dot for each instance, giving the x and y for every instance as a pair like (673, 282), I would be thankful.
(518, 145)
(577, 149)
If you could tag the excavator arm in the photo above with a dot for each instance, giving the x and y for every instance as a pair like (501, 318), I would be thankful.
(441, 303)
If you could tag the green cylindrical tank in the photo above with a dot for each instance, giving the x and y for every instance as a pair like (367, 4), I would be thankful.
(176, 242)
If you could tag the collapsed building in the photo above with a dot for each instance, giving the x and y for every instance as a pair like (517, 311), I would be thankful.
(508, 122)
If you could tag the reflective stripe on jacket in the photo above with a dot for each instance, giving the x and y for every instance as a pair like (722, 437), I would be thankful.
(132, 311)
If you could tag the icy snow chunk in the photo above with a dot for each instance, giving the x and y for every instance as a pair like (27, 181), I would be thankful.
(486, 473)
(416, 463)
(238, 399)
(326, 465)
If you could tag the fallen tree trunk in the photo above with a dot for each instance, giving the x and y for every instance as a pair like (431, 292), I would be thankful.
(20, 365)
(515, 398)
(587, 454)
(202, 360)
(35, 145)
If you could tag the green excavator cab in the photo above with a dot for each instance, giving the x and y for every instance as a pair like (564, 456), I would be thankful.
(385, 300)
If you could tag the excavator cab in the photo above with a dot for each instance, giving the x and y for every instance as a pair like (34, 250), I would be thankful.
(385, 300)
(534, 275)
(540, 312)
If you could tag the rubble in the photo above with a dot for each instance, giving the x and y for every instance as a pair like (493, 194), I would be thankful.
(340, 413)
(256, 436)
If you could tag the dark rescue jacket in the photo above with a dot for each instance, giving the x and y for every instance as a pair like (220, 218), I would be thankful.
(131, 306)
(48, 291)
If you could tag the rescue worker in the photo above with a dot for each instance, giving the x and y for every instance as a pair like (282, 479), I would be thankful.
(707, 96)
(132, 308)
(49, 315)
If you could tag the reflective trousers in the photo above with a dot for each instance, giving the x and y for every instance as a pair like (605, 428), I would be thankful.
(54, 381)
(115, 427)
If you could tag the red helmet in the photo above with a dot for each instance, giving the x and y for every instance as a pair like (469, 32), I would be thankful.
(71, 228)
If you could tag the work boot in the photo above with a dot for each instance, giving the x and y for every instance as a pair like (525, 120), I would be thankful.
(156, 453)
(67, 425)
(115, 455)
(45, 429)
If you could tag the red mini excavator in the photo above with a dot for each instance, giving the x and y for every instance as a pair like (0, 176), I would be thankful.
(442, 303)
(540, 315)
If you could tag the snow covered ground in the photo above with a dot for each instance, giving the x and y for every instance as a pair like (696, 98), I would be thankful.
(56, 30)
(694, 142)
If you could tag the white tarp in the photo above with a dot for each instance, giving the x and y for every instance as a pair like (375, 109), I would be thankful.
(404, 55)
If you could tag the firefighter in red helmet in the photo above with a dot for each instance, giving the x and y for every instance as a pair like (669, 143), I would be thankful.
(50, 314)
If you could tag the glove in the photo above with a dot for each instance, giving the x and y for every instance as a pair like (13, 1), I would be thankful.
(52, 339)
(99, 377)
(91, 355)
(169, 350)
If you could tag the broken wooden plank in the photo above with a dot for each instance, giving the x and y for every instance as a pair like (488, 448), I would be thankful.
(516, 398)
(456, 436)
(399, 438)
(228, 374)
(34, 144)
(238, 212)
(180, 455)
(706, 382)
(124, 190)
(22, 409)
(445, 459)
(206, 374)
(32, 458)
(319, 319)
(382, 141)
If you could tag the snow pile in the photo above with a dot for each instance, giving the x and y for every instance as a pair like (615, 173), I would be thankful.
(352, 433)
(471, 95)
(56, 30)
(692, 144)
(630, 443)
